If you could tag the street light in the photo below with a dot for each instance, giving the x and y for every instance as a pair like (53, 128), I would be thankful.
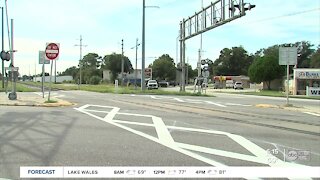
(81, 45)
(136, 69)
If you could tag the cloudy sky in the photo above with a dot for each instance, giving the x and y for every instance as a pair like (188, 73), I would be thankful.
(103, 23)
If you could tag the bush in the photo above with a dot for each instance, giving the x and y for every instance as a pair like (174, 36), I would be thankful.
(95, 80)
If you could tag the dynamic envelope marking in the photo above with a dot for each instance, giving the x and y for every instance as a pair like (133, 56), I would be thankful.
(164, 137)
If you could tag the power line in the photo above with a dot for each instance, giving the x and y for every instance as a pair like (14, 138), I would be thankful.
(286, 15)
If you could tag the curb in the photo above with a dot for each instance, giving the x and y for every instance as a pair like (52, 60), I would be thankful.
(60, 103)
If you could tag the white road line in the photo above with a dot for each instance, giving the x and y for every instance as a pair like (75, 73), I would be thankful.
(311, 113)
(98, 111)
(198, 130)
(194, 101)
(220, 105)
(133, 123)
(154, 97)
(179, 100)
(162, 131)
(235, 104)
(261, 154)
(139, 115)
(112, 114)
(172, 146)
(221, 153)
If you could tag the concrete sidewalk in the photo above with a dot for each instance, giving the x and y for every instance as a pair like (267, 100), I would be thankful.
(31, 99)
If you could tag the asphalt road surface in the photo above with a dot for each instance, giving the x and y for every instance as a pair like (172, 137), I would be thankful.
(147, 130)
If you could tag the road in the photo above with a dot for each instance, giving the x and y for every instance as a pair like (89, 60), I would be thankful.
(152, 130)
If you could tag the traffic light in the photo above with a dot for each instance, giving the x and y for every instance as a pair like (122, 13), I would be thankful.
(248, 6)
(5, 56)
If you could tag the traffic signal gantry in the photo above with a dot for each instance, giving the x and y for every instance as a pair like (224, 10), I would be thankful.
(216, 14)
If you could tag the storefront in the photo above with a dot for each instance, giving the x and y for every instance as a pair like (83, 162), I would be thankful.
(304, 78)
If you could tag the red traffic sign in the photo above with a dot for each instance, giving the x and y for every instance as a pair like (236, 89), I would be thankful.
(52, 51)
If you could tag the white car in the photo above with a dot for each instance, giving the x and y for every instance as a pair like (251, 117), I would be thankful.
(238, 85)
(152, 84)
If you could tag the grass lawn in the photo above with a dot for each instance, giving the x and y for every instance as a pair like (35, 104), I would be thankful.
(20, 88)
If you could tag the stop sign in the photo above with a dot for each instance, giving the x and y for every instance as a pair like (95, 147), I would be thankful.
(52, 51)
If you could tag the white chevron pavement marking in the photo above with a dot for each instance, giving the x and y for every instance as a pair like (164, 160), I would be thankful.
(164, 137)
(169, 145)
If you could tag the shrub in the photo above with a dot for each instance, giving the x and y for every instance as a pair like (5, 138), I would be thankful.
(95, 80)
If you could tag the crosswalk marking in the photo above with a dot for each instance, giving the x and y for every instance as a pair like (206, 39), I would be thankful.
(192, 101)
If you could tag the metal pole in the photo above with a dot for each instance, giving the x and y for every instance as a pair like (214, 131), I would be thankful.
(50, 81)
(12, 62)
(55, 71)
(183, 76)
(136, 72)
(2, 33)
(80, 61)
(143, 47)
(200, 51)
(122, 64)
(43, 78)
(181, 49)
(287, 84)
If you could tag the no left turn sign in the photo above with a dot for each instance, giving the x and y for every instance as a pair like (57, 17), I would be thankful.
(52, 51)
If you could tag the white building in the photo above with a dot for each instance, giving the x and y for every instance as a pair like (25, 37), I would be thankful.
(107, 75)
(59, 79)
(303, 78)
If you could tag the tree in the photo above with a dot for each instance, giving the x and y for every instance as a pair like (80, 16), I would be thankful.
(315, 59)
(233, 62)
(191, 73)
(266, 66)
(164, 68)
(304, 53)
(90, 67)
(112, 62)
(71, 71)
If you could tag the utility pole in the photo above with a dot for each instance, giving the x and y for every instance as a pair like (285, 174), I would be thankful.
(136, 68)
(122, 64)
(143, 47)
(80, 66)
(2, 35)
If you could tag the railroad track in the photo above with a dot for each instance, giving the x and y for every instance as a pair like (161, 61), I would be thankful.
(235, 116)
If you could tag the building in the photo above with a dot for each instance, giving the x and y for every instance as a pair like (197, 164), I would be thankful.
(60, 79)
(107, 75)
(303, 78)
(221, 81)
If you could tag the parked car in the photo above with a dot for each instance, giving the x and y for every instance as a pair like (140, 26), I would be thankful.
(152, 84)
(163, 84)
(238, 85)
(172, 83)
(229, 84)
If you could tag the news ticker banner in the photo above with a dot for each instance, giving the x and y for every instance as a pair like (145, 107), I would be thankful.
(168, 172)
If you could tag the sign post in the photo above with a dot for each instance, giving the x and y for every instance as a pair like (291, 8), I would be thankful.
(52, 54)
(43, 61)
(288, 56)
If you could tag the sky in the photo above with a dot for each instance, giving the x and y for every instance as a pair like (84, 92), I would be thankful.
(103, 23)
